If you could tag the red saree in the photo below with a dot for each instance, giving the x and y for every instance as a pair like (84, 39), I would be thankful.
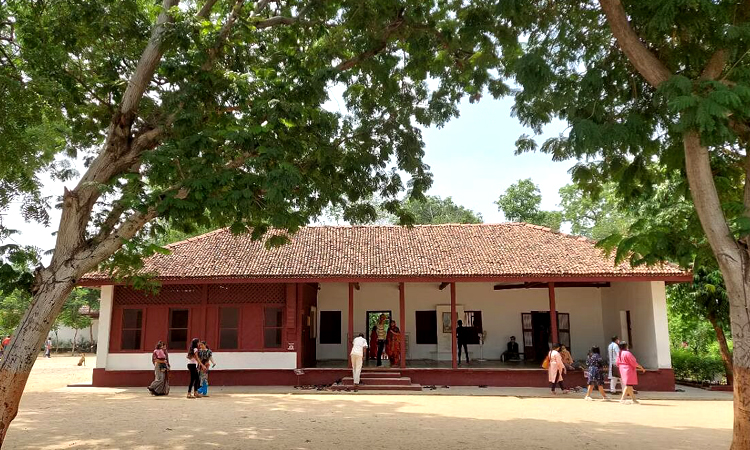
(393, 345)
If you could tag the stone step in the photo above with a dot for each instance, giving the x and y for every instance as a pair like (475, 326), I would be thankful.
(370, 387)
(403, 381)
(370, 374)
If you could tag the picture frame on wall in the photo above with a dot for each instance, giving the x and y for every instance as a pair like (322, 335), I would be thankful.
(447, 322)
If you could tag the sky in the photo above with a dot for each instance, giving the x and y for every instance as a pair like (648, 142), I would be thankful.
(472, 160)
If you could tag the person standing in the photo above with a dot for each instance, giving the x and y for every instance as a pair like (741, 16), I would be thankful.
(3, 344)
(207, 358)
(194, 365)
(628, 366)
(382, 336)
(356, 356)
(393, 344)
(48, 348)
(614, 375)
(372, 352)
(462, 337)
(160, 385)
(556, 369)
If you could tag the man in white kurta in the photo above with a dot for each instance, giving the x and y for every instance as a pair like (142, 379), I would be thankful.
(612, 352)
(357, 354)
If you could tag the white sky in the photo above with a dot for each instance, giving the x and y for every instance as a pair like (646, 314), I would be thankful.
(471, 158)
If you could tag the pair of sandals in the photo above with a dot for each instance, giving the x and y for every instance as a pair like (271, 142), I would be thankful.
(197, 395)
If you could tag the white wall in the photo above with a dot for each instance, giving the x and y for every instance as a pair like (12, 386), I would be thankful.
(646, 302)
(66, 334)
(501, 313)
(105, 323)
(224, 361)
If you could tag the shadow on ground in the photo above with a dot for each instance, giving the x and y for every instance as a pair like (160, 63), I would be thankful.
(130, 418)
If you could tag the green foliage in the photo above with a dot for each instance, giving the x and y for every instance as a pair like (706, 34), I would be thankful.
(521, 202)
(71, 315)
(436, 210)
(594, 216)
(12, 307)
(244, 136)
(690, 366)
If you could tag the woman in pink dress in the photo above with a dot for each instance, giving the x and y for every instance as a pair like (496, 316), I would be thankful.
(556, 369)
(628, 366)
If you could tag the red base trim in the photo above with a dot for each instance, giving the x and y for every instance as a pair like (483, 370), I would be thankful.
(653, 380)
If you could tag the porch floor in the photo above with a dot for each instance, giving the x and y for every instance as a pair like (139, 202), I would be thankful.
(434, 364)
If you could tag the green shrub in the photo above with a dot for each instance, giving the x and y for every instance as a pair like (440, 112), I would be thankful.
(693, 367)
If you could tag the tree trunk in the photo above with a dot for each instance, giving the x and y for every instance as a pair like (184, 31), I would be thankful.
(726, 355)
(734, 262)
(75, 336)
(91, 336)
(27, 340)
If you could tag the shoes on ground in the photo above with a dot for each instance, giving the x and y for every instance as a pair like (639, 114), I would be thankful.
(588, 399)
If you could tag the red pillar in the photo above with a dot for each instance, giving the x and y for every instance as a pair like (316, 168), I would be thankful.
(454, 343)
(553, 312)
(402, 311)
(350, 333)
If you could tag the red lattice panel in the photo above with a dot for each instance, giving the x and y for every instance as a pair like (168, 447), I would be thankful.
(246, 293)
(182, 294)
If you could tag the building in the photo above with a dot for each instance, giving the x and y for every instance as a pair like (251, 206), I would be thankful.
(286, 315)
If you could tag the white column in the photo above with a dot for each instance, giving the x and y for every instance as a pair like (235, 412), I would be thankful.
(105, 323)
(661, 327)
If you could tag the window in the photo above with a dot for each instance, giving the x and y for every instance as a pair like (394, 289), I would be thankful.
(426, 322)
(563, 329)
(330, 327)
(473, 320)
(178, 329)
(132, 325)
(229, 320)
(272, 326)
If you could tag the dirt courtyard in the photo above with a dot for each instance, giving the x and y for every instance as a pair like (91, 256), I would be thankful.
(53, 416)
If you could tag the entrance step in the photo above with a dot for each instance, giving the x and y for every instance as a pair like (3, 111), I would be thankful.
(378, 381)
(369, 374)
(370, 387)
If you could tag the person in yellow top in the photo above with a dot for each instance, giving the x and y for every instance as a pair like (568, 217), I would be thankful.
(567, 358)
(382, 331)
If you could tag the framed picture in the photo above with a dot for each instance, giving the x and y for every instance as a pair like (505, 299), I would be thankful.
(312, 322)
(447, 322)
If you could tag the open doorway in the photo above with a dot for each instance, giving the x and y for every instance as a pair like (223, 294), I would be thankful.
(372, 321)
(541, 325)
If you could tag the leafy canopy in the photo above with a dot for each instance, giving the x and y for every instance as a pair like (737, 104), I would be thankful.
(522, 201)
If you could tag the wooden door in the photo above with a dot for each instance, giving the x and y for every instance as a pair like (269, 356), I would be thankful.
(528, 337)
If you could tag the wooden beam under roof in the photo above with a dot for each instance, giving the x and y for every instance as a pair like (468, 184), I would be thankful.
(503, 287)
(443, 285)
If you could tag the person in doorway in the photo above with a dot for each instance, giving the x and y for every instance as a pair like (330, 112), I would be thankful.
(628, 366)
(393, 344)
(567, 358)
(160, 385)
(356, 356)
(48, 348)
(372, 351)
(556, 369)
(595, 373)
(207, 358)
(462, 336)
(613, 351)
(512, 352)
(382, 332)
(194, 365)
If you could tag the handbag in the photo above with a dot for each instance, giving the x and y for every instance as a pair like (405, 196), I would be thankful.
(545, 363)
(615, 371)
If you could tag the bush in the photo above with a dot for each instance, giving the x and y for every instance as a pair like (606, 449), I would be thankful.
(693, 367)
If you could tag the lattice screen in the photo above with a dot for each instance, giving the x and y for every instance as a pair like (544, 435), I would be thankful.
(183, 294)
(246, 293)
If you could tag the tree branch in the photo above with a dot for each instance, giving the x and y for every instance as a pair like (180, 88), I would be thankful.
(206, 9)
(644, 61)
(715, 65)
(382, 42)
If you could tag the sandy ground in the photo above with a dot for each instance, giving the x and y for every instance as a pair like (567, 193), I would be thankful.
(53, 416)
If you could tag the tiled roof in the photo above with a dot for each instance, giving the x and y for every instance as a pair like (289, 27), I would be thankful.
(502, 251)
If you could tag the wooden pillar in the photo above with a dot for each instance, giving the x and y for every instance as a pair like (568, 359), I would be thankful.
(454, 343)
(402, 312)
(553, 313)
(350, 332)
(204, 319)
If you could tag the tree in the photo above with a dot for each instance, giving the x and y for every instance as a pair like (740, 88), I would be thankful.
(211, 113)
(595, 217)
(706, 297)
(435, 210)
(12, 307)
(521, 202)
(645, 82)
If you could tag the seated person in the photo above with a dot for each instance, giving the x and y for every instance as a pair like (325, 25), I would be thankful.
(512, 352)
(567, 358)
